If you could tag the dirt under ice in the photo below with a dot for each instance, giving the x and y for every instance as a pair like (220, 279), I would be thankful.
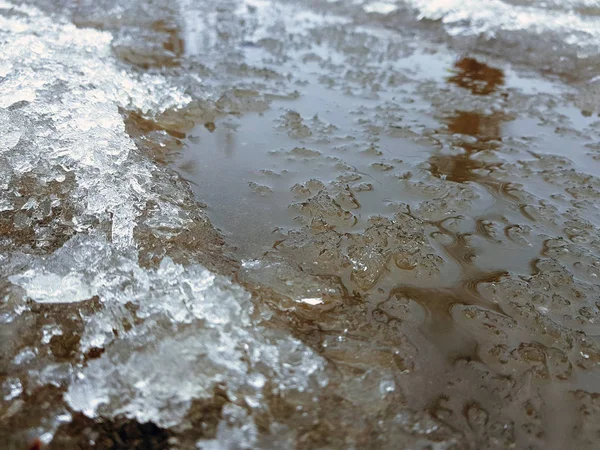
(315, 224)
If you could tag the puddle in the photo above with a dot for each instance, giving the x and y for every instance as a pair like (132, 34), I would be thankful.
(325, 194)
(249, 169)
(407, 253)
(252, 163)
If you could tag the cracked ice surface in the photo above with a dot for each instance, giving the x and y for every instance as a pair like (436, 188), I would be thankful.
(75, 181)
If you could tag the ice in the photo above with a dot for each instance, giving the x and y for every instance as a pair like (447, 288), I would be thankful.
(11, 388)
(288, 281)
(234, 432)
(196, 331)
(71, 116)
(161, 374)
(379, 7)
(489, 15)
(84, 209)
(571, 27)
(52, 288)
(312, 301)
(438, 285)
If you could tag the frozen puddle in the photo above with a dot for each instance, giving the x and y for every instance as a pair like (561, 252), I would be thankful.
(122, 337)
(402, 189)
(405, 251)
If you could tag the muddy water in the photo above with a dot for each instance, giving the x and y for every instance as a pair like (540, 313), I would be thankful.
(257, 163)
(386, 142)
(405, 196)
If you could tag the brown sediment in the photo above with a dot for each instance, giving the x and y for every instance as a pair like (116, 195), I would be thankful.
(50, 218)
(35, 445)
(476, 76)
(109, 433)
(414, 351)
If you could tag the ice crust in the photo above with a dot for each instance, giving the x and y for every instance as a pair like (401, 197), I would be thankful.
(71, 173)
(438, 288)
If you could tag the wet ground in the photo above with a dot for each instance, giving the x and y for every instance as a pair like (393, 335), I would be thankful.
(266, 224)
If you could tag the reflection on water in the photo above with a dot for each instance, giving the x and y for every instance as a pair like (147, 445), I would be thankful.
(462, 167)
(442, 311)
(480, 79)
(474, 124)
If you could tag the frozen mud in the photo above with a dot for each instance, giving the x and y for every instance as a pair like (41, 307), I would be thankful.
(319, 224)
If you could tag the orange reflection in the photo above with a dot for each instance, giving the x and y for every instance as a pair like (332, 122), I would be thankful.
(462, 167)
(479, 78)
(474, 124)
